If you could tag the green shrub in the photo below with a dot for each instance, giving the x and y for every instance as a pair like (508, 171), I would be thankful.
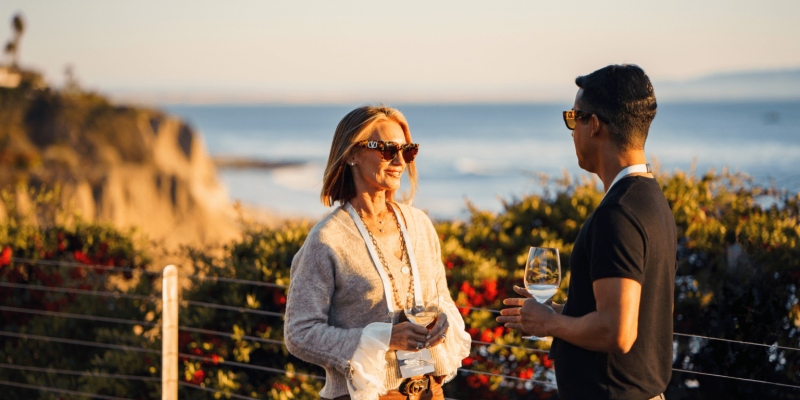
(77, 244)
(738, 272)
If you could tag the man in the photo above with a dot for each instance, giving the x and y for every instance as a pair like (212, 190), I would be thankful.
(613, 337)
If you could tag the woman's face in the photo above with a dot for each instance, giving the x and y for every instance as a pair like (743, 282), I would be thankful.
(371, 169)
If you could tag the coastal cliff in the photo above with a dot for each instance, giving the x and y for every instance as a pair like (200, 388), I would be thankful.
(133, 167)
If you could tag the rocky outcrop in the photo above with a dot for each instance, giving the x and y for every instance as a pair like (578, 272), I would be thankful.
(131, 167)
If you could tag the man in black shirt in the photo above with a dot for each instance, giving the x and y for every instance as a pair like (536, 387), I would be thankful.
(613, 337)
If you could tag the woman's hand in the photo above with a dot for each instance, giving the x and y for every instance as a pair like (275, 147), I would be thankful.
(405, 335)
(436, 334)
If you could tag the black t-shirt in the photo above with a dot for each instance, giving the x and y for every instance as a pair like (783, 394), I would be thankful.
(631, 235)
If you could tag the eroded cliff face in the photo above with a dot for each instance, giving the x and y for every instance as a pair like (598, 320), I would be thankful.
(131, 167)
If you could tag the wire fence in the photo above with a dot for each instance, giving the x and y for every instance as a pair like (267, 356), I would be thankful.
(229, 335)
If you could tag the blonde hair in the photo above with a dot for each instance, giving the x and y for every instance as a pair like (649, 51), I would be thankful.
(338, 183)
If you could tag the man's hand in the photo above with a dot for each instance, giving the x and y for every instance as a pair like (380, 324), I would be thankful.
(558, 308)
(530, 316)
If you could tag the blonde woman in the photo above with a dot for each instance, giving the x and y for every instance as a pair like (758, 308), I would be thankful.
(362, 264)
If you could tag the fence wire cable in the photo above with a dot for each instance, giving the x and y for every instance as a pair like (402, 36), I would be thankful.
(510, 346)
(94, 374)
(79, 342)
(75, 264)
(480, 309)
(508, 376)
(79, 291)
(249, 366)
(56, 390)
(738, 379)
(233, 280)
(76, 316)
(236, 396)
(230, 335)
(231, 308)
(737, 341)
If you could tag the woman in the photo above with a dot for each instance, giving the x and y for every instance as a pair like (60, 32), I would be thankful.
(362, 264)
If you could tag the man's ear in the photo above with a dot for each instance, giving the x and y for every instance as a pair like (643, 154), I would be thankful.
(595, 133)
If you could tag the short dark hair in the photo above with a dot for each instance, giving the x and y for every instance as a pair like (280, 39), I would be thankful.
(623, 95)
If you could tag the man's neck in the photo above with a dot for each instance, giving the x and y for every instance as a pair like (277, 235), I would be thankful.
(613, 163)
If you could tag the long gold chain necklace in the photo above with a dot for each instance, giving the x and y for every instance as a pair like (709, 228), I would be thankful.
(403, 255)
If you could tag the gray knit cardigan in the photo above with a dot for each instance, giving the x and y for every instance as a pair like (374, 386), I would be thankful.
(335, 292)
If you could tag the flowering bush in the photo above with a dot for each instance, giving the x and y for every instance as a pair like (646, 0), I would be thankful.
(738, 274)
(82, 246)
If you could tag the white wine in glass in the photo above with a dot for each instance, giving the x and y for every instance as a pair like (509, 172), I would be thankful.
(542, 276)
(426, 313)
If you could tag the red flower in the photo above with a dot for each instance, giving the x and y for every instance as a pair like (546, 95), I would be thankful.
(215, 359)
(547, 362)
(199, 375)
(5, 256)
(486, 336)
(498, 332)
(467, 361)
(81, 257)
(490, 290)
(278, 297)
(477, 300)
(468, 290)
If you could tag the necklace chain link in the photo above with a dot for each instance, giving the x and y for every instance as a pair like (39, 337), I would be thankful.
(403, 256)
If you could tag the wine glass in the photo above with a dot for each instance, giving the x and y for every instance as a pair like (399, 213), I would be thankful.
(425, 314)
(542, 276)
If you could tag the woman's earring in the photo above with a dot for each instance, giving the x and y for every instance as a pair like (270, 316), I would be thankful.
(352, 164)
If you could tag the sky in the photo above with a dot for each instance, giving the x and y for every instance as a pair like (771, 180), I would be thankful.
(320, 51)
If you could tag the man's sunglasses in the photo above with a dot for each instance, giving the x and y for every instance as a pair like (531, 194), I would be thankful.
(571, 117)
(389, 150)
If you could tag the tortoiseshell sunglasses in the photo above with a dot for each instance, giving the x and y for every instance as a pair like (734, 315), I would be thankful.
(389, 150)
(573, 115)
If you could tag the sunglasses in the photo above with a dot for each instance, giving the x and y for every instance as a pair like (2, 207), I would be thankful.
(389, 150)
(571, 116)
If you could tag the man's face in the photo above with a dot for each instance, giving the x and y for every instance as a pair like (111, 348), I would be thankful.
(581, 137)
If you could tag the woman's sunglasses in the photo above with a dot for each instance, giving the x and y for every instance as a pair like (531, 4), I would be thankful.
(389, 150)
(571, 116)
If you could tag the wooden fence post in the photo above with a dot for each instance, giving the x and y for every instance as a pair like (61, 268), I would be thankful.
(169, 333)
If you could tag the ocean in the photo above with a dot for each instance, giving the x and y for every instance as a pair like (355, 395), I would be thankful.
(487, 152)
